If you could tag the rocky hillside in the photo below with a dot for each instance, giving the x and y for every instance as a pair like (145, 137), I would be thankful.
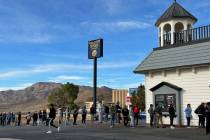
(34, 98)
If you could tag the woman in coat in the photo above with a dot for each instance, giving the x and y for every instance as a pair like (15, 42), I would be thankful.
(188, 113)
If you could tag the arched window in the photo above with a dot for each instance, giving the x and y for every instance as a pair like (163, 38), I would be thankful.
(167, 34)
(179, 27)
(167, 28)
(179, 34)
(189, 26)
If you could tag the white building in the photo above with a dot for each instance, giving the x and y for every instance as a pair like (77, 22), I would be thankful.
(178, 71)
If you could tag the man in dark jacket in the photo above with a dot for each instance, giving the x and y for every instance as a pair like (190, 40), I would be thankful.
(92, 112)
(106, 111)
(118, 110)
(172, 114)
(51, 118)
(75, 114)
(201, 112)
(35, 118)
(151, 113)
(125, 113)
(19, 118)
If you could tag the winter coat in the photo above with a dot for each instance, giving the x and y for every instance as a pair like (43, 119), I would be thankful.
(151, 111)
(125, 112)
(52, 113)
(188, 112)
(171, 111)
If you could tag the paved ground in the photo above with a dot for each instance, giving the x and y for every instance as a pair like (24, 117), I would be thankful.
(101, 132)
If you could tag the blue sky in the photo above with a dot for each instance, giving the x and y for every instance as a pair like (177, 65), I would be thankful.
(46, 40)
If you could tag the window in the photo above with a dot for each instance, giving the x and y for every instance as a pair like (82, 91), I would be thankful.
(165, 100)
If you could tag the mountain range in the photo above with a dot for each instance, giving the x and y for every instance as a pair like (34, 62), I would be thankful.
(34, 97)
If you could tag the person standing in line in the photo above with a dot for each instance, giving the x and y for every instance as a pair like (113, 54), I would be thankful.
(60, 118)
(125, 113)
(68, 115)
(172, 114)
(84, 114)
(28, 118)
(113, 115)
(40, 117)
(106, 111)
(44, 117)
(75, 114)
(4, 119)
(65, 112)
(13, 118)
(188, 114)
(151, 113)
(131, 113)
(208, 118)
(203, 118)
(52, 115)
(92, 113)
(118, 110)
(19, 119)
(35, 118)
(9, 118)
(159, 115)
(1, 119)
(136, 114)
(100, 112)
(201, 112)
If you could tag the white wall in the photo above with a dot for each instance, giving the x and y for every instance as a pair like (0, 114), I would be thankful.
(195, 83)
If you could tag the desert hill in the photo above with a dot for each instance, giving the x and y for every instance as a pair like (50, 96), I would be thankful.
(34, 97)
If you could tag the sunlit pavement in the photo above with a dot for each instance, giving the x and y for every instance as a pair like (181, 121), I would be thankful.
(101, 132)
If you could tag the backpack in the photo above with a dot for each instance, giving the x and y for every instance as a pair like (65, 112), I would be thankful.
(136, 110)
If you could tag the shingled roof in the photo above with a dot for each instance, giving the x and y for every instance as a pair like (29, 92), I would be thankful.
(173, 57)
(175, 11)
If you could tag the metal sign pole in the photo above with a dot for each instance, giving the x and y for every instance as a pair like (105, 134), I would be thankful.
(95, 50)
(95, 85)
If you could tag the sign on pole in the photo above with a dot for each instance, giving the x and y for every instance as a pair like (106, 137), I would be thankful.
(95, 50)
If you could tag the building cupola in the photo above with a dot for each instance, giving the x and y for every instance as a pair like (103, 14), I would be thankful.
(175, 19)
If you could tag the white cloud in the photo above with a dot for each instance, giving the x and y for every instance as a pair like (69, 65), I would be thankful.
(114, 6)
(115, 26)
(44, 69)
(18, 87)
(63, 78)
(76, 56)
(118, 64)
(39, 69)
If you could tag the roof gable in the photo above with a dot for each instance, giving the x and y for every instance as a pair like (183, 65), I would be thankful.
(167, 84)
(175, 11)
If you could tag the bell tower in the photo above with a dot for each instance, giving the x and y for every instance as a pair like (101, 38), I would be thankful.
(174, 20)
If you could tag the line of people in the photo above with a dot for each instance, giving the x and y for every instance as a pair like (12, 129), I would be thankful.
(156, 115)
(115, 113)
(10, 119)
